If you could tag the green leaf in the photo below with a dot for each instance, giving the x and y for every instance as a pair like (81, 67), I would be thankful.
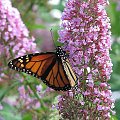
(27, 117)
(117, 109)
(7, 90)
(114, 17)
(113, 118)
(37, 26)
(115, 82)
(33, 26)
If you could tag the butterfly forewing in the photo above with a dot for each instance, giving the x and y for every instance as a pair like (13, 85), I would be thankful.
(33, 63)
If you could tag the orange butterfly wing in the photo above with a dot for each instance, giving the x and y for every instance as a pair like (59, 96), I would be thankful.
(45, 66)
(34, 64)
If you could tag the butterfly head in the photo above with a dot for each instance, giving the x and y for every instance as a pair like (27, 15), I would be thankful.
(61, 53)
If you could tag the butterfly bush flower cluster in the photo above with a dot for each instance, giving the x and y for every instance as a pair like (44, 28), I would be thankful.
(25, 96)
(86, 34)
(14, 34)
(15, 41)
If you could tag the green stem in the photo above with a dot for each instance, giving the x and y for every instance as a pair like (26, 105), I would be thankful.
(34, 91)
(8, 90)
(36, 95)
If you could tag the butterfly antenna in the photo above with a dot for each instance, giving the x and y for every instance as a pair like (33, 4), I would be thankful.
(52, 37)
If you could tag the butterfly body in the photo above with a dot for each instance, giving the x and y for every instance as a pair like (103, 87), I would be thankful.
(52, 68)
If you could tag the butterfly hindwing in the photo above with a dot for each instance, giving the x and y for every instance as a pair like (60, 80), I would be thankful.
(57, 78)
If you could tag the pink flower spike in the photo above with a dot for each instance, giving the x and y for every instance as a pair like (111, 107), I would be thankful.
(13, 30)
(85, 32)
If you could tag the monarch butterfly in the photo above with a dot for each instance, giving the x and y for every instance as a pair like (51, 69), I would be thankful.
(52, 68)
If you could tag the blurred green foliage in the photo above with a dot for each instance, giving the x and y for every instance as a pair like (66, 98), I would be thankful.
(115, 18)
(114, 15)
(9, 113)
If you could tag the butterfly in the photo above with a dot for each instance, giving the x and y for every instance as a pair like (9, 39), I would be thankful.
(53, 68)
